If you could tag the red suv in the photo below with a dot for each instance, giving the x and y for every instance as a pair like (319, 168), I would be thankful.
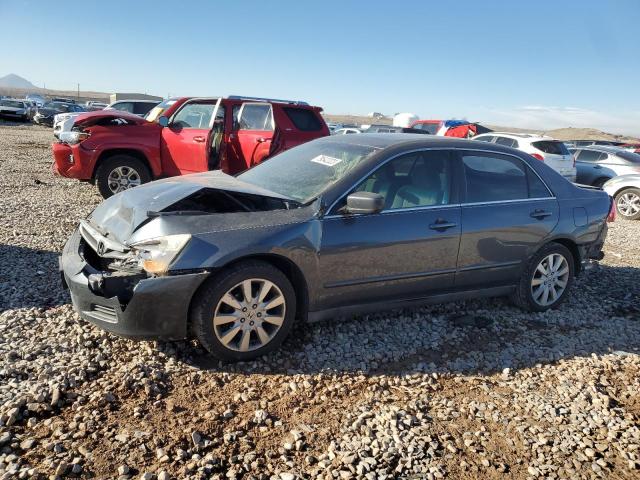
(117, 150)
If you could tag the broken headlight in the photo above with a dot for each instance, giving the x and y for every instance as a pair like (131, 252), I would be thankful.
(155, 255)
(73, 137)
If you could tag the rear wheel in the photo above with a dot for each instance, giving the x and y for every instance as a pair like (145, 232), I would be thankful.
(628, 203)
(119, 173)
(244, 312)
(546, 280)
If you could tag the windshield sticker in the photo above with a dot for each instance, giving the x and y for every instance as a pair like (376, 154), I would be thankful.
(325, 160)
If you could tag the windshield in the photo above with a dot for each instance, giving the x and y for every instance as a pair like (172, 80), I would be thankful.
(158, 110)
(432, 128)
(304, 172)
(11, 103)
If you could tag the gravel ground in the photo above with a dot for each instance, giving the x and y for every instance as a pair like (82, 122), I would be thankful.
(472, 389)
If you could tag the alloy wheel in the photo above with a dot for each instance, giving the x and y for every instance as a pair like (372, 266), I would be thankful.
(550, 279)
(122, 178)
(628, 204)
(249, 315)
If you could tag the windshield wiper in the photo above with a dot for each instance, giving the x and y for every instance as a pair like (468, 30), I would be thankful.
(152, 214)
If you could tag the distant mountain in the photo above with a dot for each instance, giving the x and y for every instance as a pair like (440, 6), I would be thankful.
(15, 81)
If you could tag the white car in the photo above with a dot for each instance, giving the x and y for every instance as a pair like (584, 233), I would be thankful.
(546, 149)
(625, 189)
(63, 122)
(345, 131)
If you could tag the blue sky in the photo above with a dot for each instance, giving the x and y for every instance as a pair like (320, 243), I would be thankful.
(541, 64)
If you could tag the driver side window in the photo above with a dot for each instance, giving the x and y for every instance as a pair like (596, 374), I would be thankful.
(419, 179)
(194, 115)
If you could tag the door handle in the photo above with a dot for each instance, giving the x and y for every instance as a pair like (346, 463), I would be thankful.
(442, 225)
(262, 140)
(199, 139)
(540, 214)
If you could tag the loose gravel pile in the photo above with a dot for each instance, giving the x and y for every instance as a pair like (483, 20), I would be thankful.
(475, 389)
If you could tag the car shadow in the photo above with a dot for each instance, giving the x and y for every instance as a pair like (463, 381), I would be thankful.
(483, 336)
(29, 278)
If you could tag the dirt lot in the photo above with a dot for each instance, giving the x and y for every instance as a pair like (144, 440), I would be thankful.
(464, 390)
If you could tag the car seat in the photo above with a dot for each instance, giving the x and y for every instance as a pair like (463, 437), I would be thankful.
(426, 187)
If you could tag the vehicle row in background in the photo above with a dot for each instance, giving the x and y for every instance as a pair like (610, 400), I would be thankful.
(597, 164)
(546, 149)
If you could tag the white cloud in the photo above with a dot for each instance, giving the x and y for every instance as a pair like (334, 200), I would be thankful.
(542, 117)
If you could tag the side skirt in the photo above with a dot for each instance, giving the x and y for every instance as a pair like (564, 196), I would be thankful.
(416, 302)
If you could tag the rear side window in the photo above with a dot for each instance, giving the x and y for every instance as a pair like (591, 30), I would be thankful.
(142, 108)
(552, 147)
(590, 156)
(507, 142)
(124, 107)
(254, 116)
(494, 178)
(488, 139)
(303, 119)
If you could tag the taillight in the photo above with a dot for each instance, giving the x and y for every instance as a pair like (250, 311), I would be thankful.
(537, 156)
(612, 211)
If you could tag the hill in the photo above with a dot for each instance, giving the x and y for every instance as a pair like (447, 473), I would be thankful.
(15, 81)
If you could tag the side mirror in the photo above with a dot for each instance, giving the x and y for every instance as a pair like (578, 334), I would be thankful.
(163, 121)
(364, 202)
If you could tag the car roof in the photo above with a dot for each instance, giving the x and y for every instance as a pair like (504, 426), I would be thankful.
(517, 135)
(600, 148)
(386, 140)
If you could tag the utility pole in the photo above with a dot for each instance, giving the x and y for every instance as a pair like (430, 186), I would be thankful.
(78, 91)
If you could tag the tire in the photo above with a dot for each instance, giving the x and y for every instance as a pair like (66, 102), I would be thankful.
(628, 203)
(524, 296)
(209, 306)
(132, 171)
(600, 182)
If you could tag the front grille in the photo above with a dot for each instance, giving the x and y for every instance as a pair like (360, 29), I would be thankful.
(104, 313)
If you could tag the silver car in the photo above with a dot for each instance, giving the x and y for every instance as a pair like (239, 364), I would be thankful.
(625, 189)
(597, 163)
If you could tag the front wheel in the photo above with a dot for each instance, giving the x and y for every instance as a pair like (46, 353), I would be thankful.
(628, 203)
(546, 280)
(244, 312)
(119, 173)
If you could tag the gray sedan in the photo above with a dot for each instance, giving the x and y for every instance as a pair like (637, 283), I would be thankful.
(337, 226)
(625, 189)
(596, 164)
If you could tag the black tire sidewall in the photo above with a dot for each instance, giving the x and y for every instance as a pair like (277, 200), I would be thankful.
(102, 173)
(619, 194)
(524, 296)
(206, 300)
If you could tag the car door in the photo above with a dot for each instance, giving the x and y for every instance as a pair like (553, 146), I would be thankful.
(252, 134)
(589, 170)
(185, 142)
(406, 251)
(506, 214)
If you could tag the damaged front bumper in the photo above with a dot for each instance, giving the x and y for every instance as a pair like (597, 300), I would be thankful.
(131, 305)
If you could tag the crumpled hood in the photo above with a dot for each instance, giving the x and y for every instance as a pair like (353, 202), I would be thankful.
(119, 216)
(86, 119)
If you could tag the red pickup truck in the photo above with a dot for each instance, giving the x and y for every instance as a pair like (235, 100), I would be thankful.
(116, 150)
